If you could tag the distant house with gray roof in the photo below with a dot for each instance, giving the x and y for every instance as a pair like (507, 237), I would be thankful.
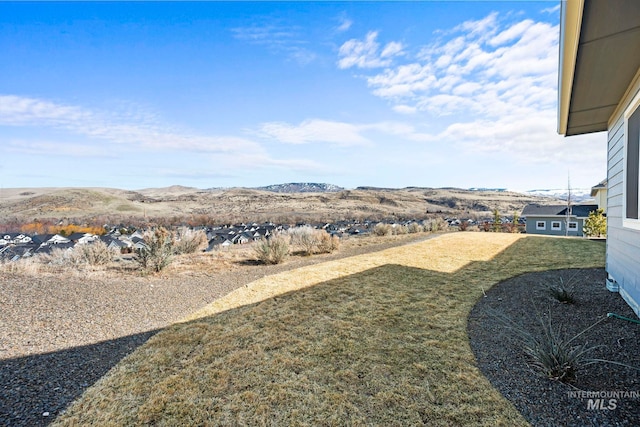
(553, 220)
(599, 193)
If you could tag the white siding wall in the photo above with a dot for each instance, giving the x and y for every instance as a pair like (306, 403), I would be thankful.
(623, 244)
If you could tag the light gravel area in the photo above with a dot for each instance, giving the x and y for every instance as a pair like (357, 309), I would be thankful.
(60, 332)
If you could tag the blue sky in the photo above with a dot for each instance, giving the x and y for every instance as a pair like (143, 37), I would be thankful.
(224, 94)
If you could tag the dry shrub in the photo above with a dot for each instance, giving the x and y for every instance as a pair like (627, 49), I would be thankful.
(157, 251)
(328, 243)
(414, 227)
(189, 241)
(511, 227)
(95, 253)
(399, 229)
(27, 266)
(273, 250)
(56, 257)
(436, 224)
(304, 237)
(381, 229)
(312, 241)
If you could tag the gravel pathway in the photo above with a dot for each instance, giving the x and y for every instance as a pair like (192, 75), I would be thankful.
(59, 333)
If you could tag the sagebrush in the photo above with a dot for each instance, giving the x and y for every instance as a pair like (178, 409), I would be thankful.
(312, 241)
(273, 250)
(157, 251)
(189, 241)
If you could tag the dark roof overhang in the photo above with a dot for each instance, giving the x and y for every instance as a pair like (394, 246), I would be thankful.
(599, 61)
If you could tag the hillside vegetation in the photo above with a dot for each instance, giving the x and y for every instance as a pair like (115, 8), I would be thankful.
(241, 204)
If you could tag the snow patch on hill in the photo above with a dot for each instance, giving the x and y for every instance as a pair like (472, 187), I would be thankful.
(578, 195)
(301, 187)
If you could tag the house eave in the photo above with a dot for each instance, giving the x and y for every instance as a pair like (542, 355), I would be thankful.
(570, 23)
(598, 62)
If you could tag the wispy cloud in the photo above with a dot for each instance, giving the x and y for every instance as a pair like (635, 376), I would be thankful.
(315, 131)
(122, 132)
(367, 53)
(54, 148)
(551, 9)
(344, 23)
(286, 40)
(339, 133)
(115, 128)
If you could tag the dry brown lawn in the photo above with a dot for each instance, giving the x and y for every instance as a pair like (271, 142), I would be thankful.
(377, 339)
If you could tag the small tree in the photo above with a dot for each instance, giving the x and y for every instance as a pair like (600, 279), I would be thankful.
(497, 221)
(595, 224)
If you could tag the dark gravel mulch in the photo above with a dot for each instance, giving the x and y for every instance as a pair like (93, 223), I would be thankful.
(543, 401)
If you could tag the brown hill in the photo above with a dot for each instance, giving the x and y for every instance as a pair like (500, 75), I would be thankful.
(242, 204)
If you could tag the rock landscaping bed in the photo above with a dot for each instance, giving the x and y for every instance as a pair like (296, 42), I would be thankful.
(602, 394)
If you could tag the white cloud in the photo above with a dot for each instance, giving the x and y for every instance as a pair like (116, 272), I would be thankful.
(511, 33)
(279, 39)
(495, 82)
(472, 73)
(312, 131)
(480, 29)
(341, 133)
(115, 128)
(551, 9)
(366, 53)
(345, 24)
(403, 81)
(404, 109)
(54, 148)
(17, 111)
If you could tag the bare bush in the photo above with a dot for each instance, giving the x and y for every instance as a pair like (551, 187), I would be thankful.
(414, 227)
(189, 241)
(304, 238)
(95, 253)
(312, 241)
(157, 250)
(436, 224)
(273, 250)
(400, 229)
(29, 266)
(56, 257)
(327, 243)
(381, 229)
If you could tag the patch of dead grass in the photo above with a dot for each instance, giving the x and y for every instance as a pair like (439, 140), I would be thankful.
(377, 339)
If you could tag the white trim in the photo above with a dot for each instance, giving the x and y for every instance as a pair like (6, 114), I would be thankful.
(574, 224)
(570, 26)
(556, 225)
(544, 225)
(629, 222)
